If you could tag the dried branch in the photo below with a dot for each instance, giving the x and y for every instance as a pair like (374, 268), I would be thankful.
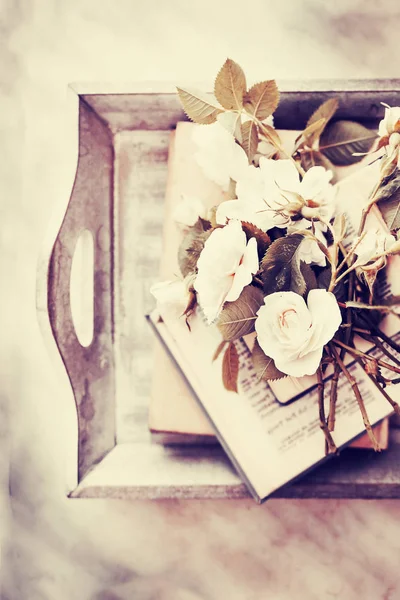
(330, 446)
(360, 401)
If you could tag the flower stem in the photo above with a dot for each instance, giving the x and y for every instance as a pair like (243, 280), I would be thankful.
(333, 398)
(360, 401)
(363, 355)
(330, 446)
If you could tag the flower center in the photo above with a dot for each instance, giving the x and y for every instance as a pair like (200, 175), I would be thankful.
(288, 317)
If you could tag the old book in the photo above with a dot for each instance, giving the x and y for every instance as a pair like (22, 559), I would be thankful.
(175, 416)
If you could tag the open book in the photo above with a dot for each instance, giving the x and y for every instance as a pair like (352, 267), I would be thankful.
(175, 416)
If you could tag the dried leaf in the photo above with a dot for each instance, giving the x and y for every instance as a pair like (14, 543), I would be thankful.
(231, 121)
(264, 365)
(281, 269)
(342, 139)
(200, 108)
(230, 368)
(230, 85)
(219, 349)
(249, 139)
(263, 239)
(339, 227)
(326, 112)
(237, 318)
(389, 201)
(191, 247)
(262, 99)
(310, 134)
(271, 135)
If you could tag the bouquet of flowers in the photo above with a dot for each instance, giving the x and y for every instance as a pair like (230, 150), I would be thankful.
(276, 259)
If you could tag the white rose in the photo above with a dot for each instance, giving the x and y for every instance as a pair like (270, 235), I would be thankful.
(272, 194)
(294, 333)
(225, 266)
(390, 122)
(173, 296)
(371, 245)
(311, 253)
(189, 209)
(219, 156)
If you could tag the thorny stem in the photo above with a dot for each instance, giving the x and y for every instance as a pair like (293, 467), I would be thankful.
(363, 355)
(384, 393)
(377, 342)
(333, 398)
(377, 331)
(330, 446)
(360, 401)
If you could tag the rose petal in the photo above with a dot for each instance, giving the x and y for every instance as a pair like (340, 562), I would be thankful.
(326, 317)
(245, 271)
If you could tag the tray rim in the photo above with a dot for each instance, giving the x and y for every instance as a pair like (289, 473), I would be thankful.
(84, 487)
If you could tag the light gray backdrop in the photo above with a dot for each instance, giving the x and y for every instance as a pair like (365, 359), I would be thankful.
(56, 549)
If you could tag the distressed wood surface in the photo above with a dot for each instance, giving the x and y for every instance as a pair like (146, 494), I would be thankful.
(148, 108)
(118, 195)
(90, 369)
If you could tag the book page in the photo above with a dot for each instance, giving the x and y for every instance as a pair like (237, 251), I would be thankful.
(176, 411)
(269, 443)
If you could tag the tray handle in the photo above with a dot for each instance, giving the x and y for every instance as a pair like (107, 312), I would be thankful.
(90, 369)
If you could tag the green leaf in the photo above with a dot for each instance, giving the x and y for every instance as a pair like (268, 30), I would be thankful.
(230, 85)
(325, 112)
(264, 365)
(230, 368)
(237, 318)
(281, 269)
(200, 108)
(389, 201)
(249, 139)
(262, 99)
(263, 239)
(342, 139)
(191, 247)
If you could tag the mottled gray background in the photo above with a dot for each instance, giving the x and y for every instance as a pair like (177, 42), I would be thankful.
(57, 549)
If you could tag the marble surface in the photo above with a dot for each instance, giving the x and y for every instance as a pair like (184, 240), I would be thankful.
(54, 548)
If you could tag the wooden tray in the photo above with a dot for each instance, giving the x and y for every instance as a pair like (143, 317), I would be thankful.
(117, 168)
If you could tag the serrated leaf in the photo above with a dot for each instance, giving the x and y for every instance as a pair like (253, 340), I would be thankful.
(310, 134)
(263, 239)
(280, 266)
(326, 112)
(191, 247)
(339, 227)
(389, 201)
(249, 139)
(262, 99)
(314, 158)
(230, 368)
(219, 349)
(264, 365)
(237, 318)
(230, 85)
(232, 122)
(342, 139)
(200, 108)
(271, 135)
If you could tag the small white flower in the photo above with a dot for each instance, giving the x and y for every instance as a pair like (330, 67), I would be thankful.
(189, 209)
(294, 333)
(372, 244)
(390, 122)
(272, 194)
(311, 253)
(225, 266)
(173, 296)
(219, 156)
(389, 131)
